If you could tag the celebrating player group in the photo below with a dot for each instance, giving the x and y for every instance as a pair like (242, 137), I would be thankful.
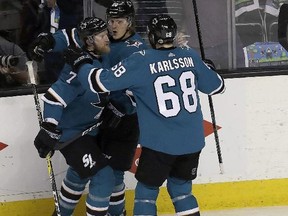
(135, 93)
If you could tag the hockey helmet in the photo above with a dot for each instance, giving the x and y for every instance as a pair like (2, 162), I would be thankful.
(161, 29)
(90, 26)
(120, 8)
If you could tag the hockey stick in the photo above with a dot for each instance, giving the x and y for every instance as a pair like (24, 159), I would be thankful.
(31, 70)
(209, 96)
(282, 26)
(61, 145)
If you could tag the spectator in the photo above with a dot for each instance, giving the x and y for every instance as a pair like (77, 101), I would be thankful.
(48, 16)
(34, 20)
(257, 24)
(35, 17)
(13, 70)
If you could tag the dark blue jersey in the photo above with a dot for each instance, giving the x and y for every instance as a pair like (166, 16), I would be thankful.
(124, 48)
(166, 85)
(68, 104)
(121, 49)
(71, 107)
(64, 37)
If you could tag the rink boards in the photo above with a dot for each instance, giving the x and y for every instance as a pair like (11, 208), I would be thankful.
(253, 118)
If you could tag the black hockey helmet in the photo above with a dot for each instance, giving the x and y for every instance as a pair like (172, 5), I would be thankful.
(121, 8)
(90, 26)
(161, 29)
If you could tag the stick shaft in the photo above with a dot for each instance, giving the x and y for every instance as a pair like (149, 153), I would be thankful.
(212, 112)
(40, 120)
(62, 145)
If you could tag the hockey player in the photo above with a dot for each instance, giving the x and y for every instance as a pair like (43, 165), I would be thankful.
(121, 142)
(165, 82)
(69, 109)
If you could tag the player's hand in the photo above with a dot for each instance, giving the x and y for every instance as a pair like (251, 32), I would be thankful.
(76, 57)
(181, 39)
(210, 64)
(44, 43)
(46, 139)
(111, 116)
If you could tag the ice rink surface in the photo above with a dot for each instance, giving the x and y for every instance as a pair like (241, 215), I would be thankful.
(260, 211)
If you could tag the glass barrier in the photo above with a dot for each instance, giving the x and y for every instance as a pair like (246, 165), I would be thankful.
(21, 21)
(256, 22)
(237, 35)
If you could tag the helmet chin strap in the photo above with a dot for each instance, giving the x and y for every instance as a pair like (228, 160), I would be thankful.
(123, 36)
(127, 31)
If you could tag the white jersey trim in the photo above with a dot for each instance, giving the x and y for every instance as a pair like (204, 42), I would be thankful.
(97, 76)
(58, 97)
(66, 36)
(218, 89)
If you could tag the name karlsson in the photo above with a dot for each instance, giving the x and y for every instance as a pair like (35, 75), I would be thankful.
(172, 64)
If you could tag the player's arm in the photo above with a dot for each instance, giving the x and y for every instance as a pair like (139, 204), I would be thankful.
(93, 79)
(209, 81)
(81, 64)
(119, 103)
(57, 97)
(64, 38)
(49, 134)
(118, 106)
(48, 42)
(124, 101)
(44, 42)
(55, 100)
(99, 79)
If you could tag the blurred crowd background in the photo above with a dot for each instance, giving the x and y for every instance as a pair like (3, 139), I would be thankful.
(236, 34)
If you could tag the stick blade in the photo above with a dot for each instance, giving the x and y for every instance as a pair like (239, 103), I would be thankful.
(221, 168)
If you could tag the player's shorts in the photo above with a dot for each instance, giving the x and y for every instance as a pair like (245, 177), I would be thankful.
(85, 156)
(120, 142)
(155, 167)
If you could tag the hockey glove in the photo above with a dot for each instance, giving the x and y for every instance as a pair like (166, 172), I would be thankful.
(111, 116)
(44, 43)
(210, 64)
(46, 139)
(75, 57)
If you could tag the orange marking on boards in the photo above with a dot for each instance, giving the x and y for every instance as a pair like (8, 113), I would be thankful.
(208, 129)
(2, 146)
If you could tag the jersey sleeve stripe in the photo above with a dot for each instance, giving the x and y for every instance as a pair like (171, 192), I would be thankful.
(221, 88)
(92, 81)
(52, 97)
(73, 35)
(98, 84)
(66, 36)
